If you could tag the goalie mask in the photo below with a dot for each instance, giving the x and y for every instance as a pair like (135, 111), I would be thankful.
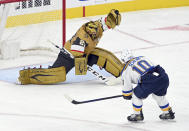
(126, 55)
(92, 29)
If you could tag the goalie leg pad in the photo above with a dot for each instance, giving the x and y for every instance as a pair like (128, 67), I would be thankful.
(42, 76)
(108, 61)
(80, 66)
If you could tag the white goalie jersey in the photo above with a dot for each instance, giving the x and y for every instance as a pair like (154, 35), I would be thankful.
(134, 69)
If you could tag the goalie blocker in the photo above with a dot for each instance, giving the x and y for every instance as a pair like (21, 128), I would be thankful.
(56, 74)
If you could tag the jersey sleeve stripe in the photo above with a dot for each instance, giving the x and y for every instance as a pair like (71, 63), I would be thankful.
(77, 48)
(77, 51)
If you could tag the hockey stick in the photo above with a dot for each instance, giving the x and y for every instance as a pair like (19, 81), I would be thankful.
(89, 68)
(89, 101)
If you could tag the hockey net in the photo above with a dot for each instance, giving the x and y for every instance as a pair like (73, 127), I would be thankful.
(29, 25)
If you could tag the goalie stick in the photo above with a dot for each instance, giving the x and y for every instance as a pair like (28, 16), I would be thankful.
(89, 101)
(89, 68)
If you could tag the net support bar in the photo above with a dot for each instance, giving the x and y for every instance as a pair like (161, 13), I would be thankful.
(63, 22)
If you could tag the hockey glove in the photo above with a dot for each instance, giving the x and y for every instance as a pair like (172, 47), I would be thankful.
(113, 18)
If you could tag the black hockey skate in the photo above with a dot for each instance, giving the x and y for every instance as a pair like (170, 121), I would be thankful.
(167, 116)
(136, 117)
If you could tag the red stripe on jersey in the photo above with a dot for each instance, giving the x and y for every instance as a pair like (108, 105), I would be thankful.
(77, 51)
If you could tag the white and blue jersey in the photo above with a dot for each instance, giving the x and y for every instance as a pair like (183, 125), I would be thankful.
(133, 70)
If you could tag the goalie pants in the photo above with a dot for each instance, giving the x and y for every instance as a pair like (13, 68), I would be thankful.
(64, 60)
(68, 63)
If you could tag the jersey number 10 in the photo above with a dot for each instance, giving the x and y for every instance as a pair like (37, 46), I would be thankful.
(141, 67)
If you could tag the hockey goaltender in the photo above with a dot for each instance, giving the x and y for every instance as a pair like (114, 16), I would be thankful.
(82, 46)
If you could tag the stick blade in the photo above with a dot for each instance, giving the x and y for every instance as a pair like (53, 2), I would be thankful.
(68, 98)
(71, 100)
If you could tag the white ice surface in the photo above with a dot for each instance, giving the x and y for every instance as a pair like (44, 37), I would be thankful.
(44, 108)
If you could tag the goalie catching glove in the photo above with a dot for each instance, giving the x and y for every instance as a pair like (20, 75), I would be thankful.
(113, 18)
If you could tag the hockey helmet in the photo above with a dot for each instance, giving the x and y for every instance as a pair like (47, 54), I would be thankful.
(126, 55)
(92, 29)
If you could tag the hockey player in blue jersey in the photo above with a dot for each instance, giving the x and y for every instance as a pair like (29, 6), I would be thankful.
(149, 79)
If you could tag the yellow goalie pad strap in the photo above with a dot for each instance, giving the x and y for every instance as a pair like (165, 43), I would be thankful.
(42, 76)
(109, 60)
(80, 66)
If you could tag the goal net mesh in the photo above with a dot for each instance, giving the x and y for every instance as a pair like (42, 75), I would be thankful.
(31, 23)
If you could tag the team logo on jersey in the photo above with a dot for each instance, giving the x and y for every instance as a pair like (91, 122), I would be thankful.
(82, 43)
(79, 42)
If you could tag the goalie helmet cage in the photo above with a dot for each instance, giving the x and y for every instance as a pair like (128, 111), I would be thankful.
(32, 23)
